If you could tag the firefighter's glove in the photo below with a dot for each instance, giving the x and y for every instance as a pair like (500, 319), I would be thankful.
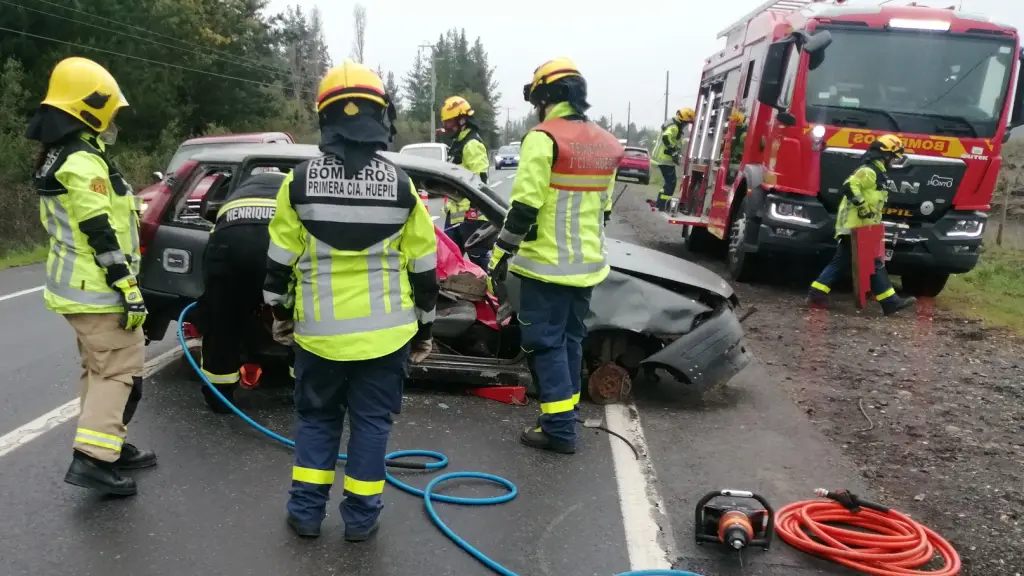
(497, 269)
(135, 312)
(284, 332)
(281, 313)
(420, 350)
(865, 213)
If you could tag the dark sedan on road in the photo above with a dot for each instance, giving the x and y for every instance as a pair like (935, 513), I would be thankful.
(656, 318)
(506, 157)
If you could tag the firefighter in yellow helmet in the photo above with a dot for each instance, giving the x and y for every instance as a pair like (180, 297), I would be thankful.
(739, 135)
(91, 215)
(467, 150)
(553, 241)
(865, 193)
(673, 140)
(351, 261)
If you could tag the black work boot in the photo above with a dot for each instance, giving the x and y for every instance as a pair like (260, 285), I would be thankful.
(817, 299)
(894, 304)
(361, 536)
(132, 458)
(537, 438)
(88, 472)
(304, 529)
(215, 403)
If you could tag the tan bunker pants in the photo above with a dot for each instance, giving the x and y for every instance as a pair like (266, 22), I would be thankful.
(111, 382)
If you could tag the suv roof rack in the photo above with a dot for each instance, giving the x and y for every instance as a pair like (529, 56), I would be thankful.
(776, 6)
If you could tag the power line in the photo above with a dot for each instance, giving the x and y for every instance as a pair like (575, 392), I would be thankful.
(141, 29)
(123, 55)
(144, 39)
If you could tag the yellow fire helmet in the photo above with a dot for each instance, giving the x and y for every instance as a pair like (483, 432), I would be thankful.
(348, 81)
(455, 107)
(85, 90)
(547, 74)
(737, 116)
(685, 115)
(889, 143)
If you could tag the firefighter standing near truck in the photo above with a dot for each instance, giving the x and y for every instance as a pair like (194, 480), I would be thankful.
(865, 193)
(666, 153)
(467, 150)
(234, 268)
(92, 217)
(352, 260)
(553, 240)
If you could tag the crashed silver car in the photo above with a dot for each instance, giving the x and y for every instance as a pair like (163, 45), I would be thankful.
(656, 320)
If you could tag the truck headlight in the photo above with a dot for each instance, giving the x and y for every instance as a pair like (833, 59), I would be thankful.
(817, 135)
(966, 229)
(789, 212)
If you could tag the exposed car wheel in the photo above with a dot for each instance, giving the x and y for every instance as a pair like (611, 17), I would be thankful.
(742, 264)
(925, 284)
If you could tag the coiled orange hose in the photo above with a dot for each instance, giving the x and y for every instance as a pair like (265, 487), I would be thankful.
(889, 544)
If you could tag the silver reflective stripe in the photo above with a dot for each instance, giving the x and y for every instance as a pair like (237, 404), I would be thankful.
(83, 296)
(355, 325)
(591, 182)
(424, 263)
(561, 236)
(600, 218)
(576, 201)
(558, 269)
(274, 299)
(567, 227)
(384, 262)
(513, 239)
(108, 259)
(324, 290)
(305, 269)
(425, 317)
(281, 255)
(68, 254)
(352, 214)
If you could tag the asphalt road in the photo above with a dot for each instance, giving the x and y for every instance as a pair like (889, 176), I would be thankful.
(215, 504)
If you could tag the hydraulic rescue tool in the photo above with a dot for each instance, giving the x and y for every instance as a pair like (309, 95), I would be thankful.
(730, 518)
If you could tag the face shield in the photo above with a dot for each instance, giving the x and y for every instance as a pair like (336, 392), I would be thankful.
(109, 136)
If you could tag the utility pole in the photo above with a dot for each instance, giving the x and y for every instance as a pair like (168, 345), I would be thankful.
(629, 116)
(433, 91)
(666, 97)
(508, 122)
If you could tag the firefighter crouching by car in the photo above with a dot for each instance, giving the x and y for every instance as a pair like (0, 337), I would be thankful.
(553, 240)
(91, 216)
(666, 153)
(467, 150)
(354, 239)
(235, 267)
(864, 197)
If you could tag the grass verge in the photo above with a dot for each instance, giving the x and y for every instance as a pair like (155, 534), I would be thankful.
(22, 257)
(993, 291)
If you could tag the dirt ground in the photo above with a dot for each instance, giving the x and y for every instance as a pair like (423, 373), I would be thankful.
(929, 406)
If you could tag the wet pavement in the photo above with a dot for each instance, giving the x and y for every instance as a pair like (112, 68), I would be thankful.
(215, 504)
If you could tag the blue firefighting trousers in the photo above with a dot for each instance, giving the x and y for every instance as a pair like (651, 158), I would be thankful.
(552, 317)
(840, 267)
(370, 391)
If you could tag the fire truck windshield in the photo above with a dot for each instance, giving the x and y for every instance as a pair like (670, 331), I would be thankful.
(911, 81)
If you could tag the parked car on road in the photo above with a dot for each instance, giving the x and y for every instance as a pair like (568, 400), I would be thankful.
(635, 166)
(431, 150)
(656, 317)
(506, 156)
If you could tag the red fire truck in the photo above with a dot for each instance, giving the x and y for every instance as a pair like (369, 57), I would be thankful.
(818, 82)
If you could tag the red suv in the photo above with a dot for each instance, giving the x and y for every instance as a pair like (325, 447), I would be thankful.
(203, 144)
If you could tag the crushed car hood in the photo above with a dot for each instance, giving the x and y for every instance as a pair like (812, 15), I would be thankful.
(637, 260)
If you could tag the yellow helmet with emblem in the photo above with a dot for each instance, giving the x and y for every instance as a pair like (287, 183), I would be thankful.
(890, 144)
(85, 90)
(351, 81)
(546, 75)
(455, 107)
(685, 115)
(737, 116)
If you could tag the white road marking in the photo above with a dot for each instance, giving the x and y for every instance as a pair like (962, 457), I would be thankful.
(641, 504)
(24, 434)
(20, 293)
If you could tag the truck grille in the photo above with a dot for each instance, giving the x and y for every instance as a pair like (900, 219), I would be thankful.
(922, 191)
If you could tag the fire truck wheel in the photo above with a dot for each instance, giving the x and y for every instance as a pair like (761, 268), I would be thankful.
(924, 285)
(742, 264)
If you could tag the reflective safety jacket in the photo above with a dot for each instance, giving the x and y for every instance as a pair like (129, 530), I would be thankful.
(254, 201)
(354, 257)
(467, 151)
(868, 184)
(670, 143)
(562, 190)
(92, 216)
(738, 142)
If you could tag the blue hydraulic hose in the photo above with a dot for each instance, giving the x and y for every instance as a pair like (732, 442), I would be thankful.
(428, 495)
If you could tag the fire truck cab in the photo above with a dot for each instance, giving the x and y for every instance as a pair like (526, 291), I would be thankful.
(817, 82)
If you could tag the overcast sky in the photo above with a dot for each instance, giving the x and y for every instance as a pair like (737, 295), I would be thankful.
(623, 50)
